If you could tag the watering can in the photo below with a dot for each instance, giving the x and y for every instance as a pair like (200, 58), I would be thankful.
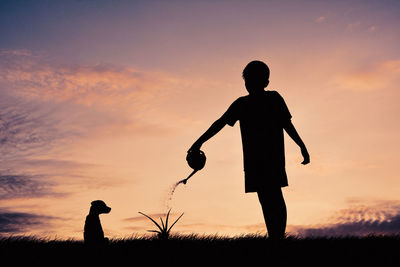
(196, 160)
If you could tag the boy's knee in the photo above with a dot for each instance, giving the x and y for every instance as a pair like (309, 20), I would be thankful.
(270, 194)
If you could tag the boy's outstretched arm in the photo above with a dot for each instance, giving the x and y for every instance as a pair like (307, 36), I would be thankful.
(213, 130)
(291, 131)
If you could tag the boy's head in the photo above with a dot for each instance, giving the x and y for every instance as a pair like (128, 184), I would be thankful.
(256, 76)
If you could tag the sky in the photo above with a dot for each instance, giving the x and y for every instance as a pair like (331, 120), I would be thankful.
(102, 100)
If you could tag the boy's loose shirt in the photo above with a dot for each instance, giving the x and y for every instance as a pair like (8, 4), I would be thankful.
(262, 118)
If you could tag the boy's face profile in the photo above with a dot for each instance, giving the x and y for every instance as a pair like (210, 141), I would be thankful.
(255, 85)
(256, 76)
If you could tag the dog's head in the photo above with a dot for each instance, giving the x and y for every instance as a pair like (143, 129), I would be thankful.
(98, 207)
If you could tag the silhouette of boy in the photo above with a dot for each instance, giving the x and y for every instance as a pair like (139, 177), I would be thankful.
(263, 115)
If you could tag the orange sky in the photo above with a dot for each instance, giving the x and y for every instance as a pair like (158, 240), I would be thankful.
(105, 103)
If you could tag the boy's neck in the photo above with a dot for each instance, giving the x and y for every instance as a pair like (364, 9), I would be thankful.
(258, 92)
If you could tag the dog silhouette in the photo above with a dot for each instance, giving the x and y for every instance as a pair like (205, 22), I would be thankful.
(93, 232)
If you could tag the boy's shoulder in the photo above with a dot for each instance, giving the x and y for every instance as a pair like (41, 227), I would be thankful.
(273, 92)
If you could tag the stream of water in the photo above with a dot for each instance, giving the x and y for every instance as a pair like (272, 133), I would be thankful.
(171, 193)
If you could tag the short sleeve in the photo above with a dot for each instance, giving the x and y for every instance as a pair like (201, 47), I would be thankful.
(232, 114)
(284, 111)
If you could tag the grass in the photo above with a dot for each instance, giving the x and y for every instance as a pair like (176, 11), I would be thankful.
(195, 250)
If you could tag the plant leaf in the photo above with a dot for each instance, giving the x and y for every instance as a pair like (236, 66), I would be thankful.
(166, 220)
(162, 223)
(152, 220)
(174, 223)
(154, 231)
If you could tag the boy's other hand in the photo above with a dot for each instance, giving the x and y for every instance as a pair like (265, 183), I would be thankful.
(306, 156)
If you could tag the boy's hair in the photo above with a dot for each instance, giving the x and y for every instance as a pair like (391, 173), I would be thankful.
(256, 70)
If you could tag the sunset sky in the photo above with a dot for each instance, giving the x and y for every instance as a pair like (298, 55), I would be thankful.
(102, 100)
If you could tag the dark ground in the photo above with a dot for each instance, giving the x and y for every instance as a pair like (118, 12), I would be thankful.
(204, 251)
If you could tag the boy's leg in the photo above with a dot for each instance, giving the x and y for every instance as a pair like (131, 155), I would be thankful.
(274, 210)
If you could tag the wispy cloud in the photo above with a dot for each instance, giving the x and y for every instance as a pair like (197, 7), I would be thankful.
(374, 77)
(372, 28)
(23, 186)
(351, 27)
(25, 128)
(320, 19)
(15, 52)
(21, 222)
(360, 220)
(103, 84)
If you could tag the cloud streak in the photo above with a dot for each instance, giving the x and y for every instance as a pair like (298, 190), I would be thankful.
(380, 75)
(23, 186)
(382, 218)
(25, 128)
(103, 84)
(21, 222)
(320, 19)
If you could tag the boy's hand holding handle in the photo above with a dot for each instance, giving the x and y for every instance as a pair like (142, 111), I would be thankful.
(195, 147)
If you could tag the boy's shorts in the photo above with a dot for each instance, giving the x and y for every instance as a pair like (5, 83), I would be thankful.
(260, 181)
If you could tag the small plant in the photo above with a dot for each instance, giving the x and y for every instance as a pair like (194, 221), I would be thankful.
(163, 232)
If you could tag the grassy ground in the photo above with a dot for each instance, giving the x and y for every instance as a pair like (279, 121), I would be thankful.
(204, 250)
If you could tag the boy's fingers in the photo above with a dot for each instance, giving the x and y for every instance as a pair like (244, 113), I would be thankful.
(194, 148)
(306, 156)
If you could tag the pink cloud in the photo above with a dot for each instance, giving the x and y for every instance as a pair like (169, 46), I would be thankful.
(351, 27)
(25, 74)
(372, 28)
(378, 76)
(320, 19)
